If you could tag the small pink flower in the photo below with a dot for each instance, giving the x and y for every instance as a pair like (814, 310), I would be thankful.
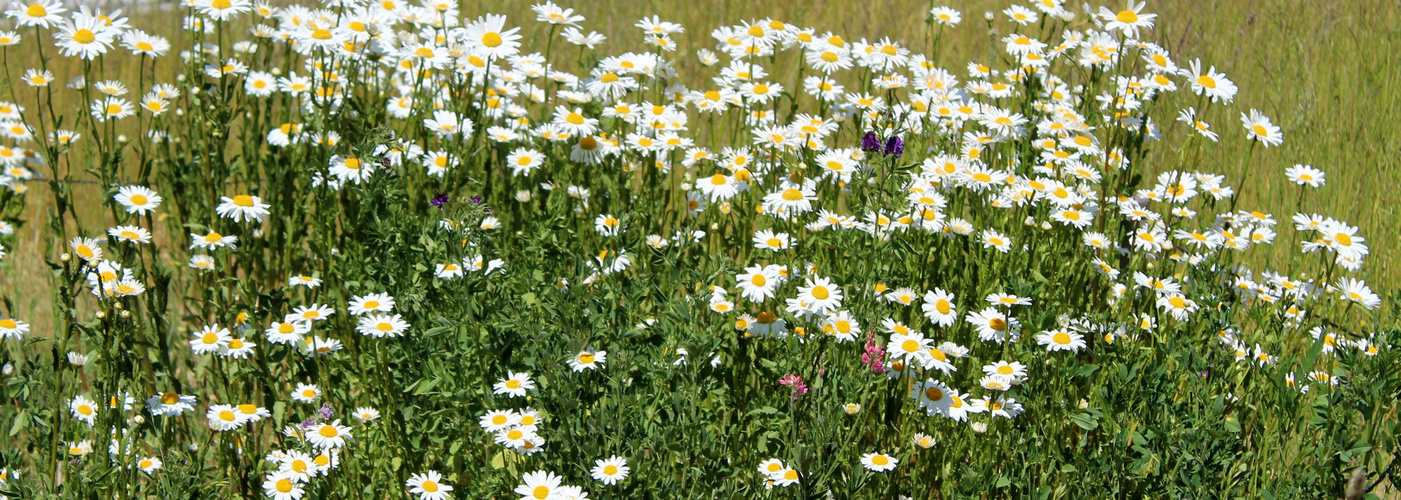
(873, 355)
(796, 383)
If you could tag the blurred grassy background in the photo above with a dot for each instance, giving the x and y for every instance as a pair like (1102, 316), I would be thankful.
(1326, 72)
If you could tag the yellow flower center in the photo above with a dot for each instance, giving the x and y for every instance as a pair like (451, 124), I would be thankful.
(934, 394)
(541, 492)
(1128, 17)
(328, 431)
(243, 200)
(998, 324)
(492, 39)
(83, 35)
(429, 486)
(321, 34)
(284, 485)
(880, 460)
(1060, 338)
(36, 10)
(820, 292)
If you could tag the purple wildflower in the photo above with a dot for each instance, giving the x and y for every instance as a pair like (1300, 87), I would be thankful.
(440, 200)
(871, 143)
(326, 412)
(894, 146)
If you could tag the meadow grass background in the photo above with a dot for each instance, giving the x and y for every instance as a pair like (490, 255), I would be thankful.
(1325, 72)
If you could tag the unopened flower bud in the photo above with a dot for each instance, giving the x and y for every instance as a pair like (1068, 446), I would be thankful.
(126, 313)
(100, 315)
(64, 257)
(523, 196)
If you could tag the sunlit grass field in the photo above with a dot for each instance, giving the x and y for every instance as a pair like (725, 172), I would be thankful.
(865, 307)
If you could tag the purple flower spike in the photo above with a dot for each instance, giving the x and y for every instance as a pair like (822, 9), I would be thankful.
(870, 143)
(894, 146)
(440, 200)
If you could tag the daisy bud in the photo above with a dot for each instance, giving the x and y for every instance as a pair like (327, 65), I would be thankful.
(194, 90)
(714, 226)
(277, 72)
(8, 369)
(871, 181)
(64, 257)
(1030, 221)
(138, 420)
(180, 78)
(194, 447)
(126, 314)
(988, 16)
(686, 186)
(1045, 226)
(1151, 265)
(523, 196)
(980, 427)
(100, 315)
(122, 138)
